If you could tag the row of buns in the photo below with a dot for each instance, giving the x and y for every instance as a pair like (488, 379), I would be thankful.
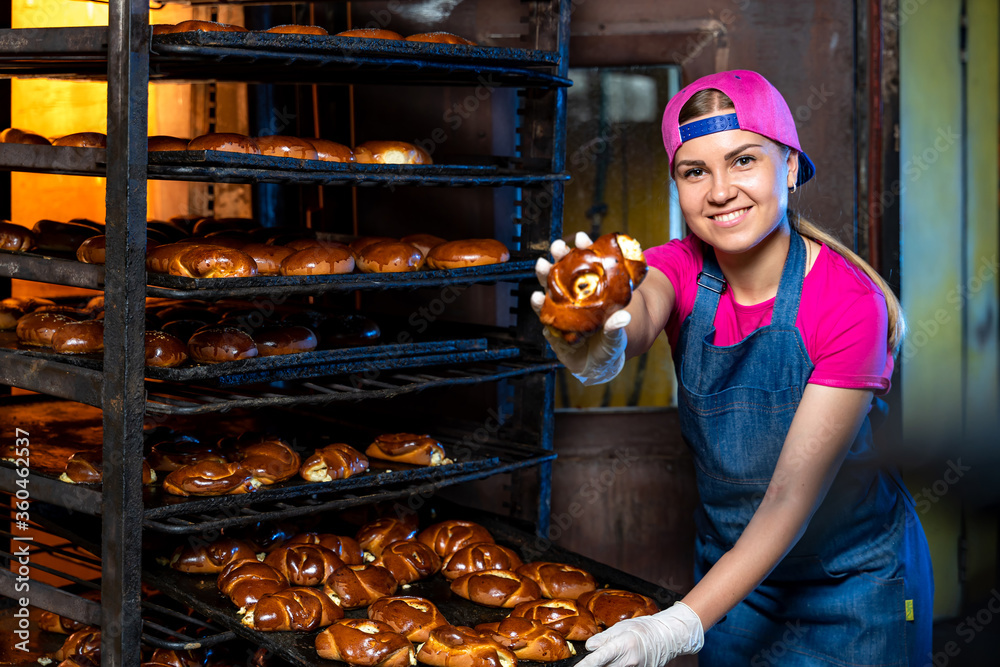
(299, 29)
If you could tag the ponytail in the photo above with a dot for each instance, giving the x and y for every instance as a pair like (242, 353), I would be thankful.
(897, 324)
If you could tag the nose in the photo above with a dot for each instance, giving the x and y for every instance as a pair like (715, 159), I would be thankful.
(722, 189)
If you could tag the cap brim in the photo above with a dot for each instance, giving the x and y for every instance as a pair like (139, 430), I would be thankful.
(806, 169)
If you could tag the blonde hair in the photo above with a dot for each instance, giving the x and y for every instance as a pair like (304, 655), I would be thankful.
(711, 100)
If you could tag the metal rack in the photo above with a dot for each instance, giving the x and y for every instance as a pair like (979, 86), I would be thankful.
(128, 58)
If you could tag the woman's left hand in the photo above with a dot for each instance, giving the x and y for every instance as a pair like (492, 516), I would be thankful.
(647, 641)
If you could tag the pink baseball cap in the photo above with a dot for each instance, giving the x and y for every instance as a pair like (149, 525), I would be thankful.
(759, 106)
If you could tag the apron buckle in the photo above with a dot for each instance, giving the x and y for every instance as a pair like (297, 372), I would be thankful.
(719, 286)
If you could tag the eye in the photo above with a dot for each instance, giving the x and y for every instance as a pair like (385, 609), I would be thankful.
(744, 160)
(694, 173)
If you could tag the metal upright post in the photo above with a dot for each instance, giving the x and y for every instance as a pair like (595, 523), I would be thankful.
(123, 391)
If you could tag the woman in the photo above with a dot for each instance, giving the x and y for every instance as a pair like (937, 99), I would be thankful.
(806, 552)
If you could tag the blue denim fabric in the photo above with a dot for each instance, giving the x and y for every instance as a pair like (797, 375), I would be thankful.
(839, 596)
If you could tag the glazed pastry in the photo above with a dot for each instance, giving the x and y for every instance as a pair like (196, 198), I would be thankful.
(356, 586)
(557, 580)
(412, 617)
(479, 557)
(528, 639)
(570, 619)
(458, 646)
(447, 537)
(293, 609)
(374, 537)
(409, 561)
(335, 461)
(496, 588)
(420, 450)
(609, 605)
(211, 558)
(365, 643)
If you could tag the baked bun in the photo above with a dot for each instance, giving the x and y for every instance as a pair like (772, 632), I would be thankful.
(528, 639)
(370, 33)
(348, 330)
(390, 152)
(247, 581)
(588, 285)
(296, 29)
(293, 609)
(217, 344)
(331, 151)
(92, 250)
(194, 25)
(346, 548)
(178, 657)
(164, 350)
(266, 536)
(440, 38)
(458, 646)
(447, 537)
(79, 337)
(87, 467)
(227, 142)
(62, 237)
(412, 617)
(83, 140)
(423, 242)
(355, 586)
(211, 558)
(15, 237)
(610, 605)
(52, 622)
(567, 617)
(210, 478)
(211, 261)
(270, 459)
(365, 643)
(272, 341)
(374, 537)
(12, 135)
(85, 642)
(557, 580)
(336, 461)
(284, 146)
(409, 561)
(40, 328)
(304, 564)
(9, 315)
(496, 588)
(318, 260)
(158, 259)
(469, 252)
(162, 142)
(181, 450)
(268, 258)
(362, 242)
(421, 450)
(479, 557)
(389, 257)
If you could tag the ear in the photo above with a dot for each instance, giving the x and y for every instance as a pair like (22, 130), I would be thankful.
(792, 162)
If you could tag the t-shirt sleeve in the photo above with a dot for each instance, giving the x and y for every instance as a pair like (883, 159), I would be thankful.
(680, 261)
(852, 352)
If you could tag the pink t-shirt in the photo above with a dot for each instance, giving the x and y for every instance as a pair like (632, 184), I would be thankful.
(842, 315)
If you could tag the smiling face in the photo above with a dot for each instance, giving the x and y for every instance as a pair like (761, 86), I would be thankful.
(733, 187)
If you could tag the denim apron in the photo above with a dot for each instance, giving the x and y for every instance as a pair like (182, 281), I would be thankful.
(857, 588)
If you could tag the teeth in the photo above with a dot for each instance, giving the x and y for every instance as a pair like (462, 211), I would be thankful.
(729, 217)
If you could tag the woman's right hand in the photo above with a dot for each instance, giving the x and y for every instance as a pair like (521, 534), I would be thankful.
(597, 358)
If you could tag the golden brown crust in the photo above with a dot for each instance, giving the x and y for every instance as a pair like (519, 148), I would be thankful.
(380, 533)
(218, 344)
(459, 646)
(423, 242)
(370, 33)
(335, 461)
(588, 285)
(52, 622)
(210, 478)
(12, 135)
(268, 258)
(362, 242)
(55, 236)
(440, 38)
(163, 142)
(304, 564)
(479, 557)
(496, 588)
(9, 315)
(355, 586)
(211, 557)
(273, 341)
(178, 658)
(331, 151)
(158, 259)
(447, 537)
(412, 617)
(92, 250)
(83, 140)
(421, 450)
(293, 609)
(86, 642)
(365, 643)
(228, 142)
(39, 328)
(296, 29)
(332, 258)
(284, 146)
(211, 261)
(558, 580)
(269, 458)
(15, 237)
(390, 152)
(528, 639)
(180, 450)
(346, 548)
(409, 561)
(247, 581)
(79, 337)
(164, 350)
(567, 617)
(467, 252)
(389, 257)
(609, 605)
(204, 26)
(86, 467)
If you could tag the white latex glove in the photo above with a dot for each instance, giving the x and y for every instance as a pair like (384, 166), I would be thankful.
(647, 641)
(597, 358)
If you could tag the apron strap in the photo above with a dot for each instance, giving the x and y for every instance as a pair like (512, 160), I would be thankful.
(786, 303)
(711, 286)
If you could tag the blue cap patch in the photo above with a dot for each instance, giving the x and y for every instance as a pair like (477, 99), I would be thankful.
(710, 125)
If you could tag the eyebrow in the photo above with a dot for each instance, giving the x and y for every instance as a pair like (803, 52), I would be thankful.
(730, 155)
